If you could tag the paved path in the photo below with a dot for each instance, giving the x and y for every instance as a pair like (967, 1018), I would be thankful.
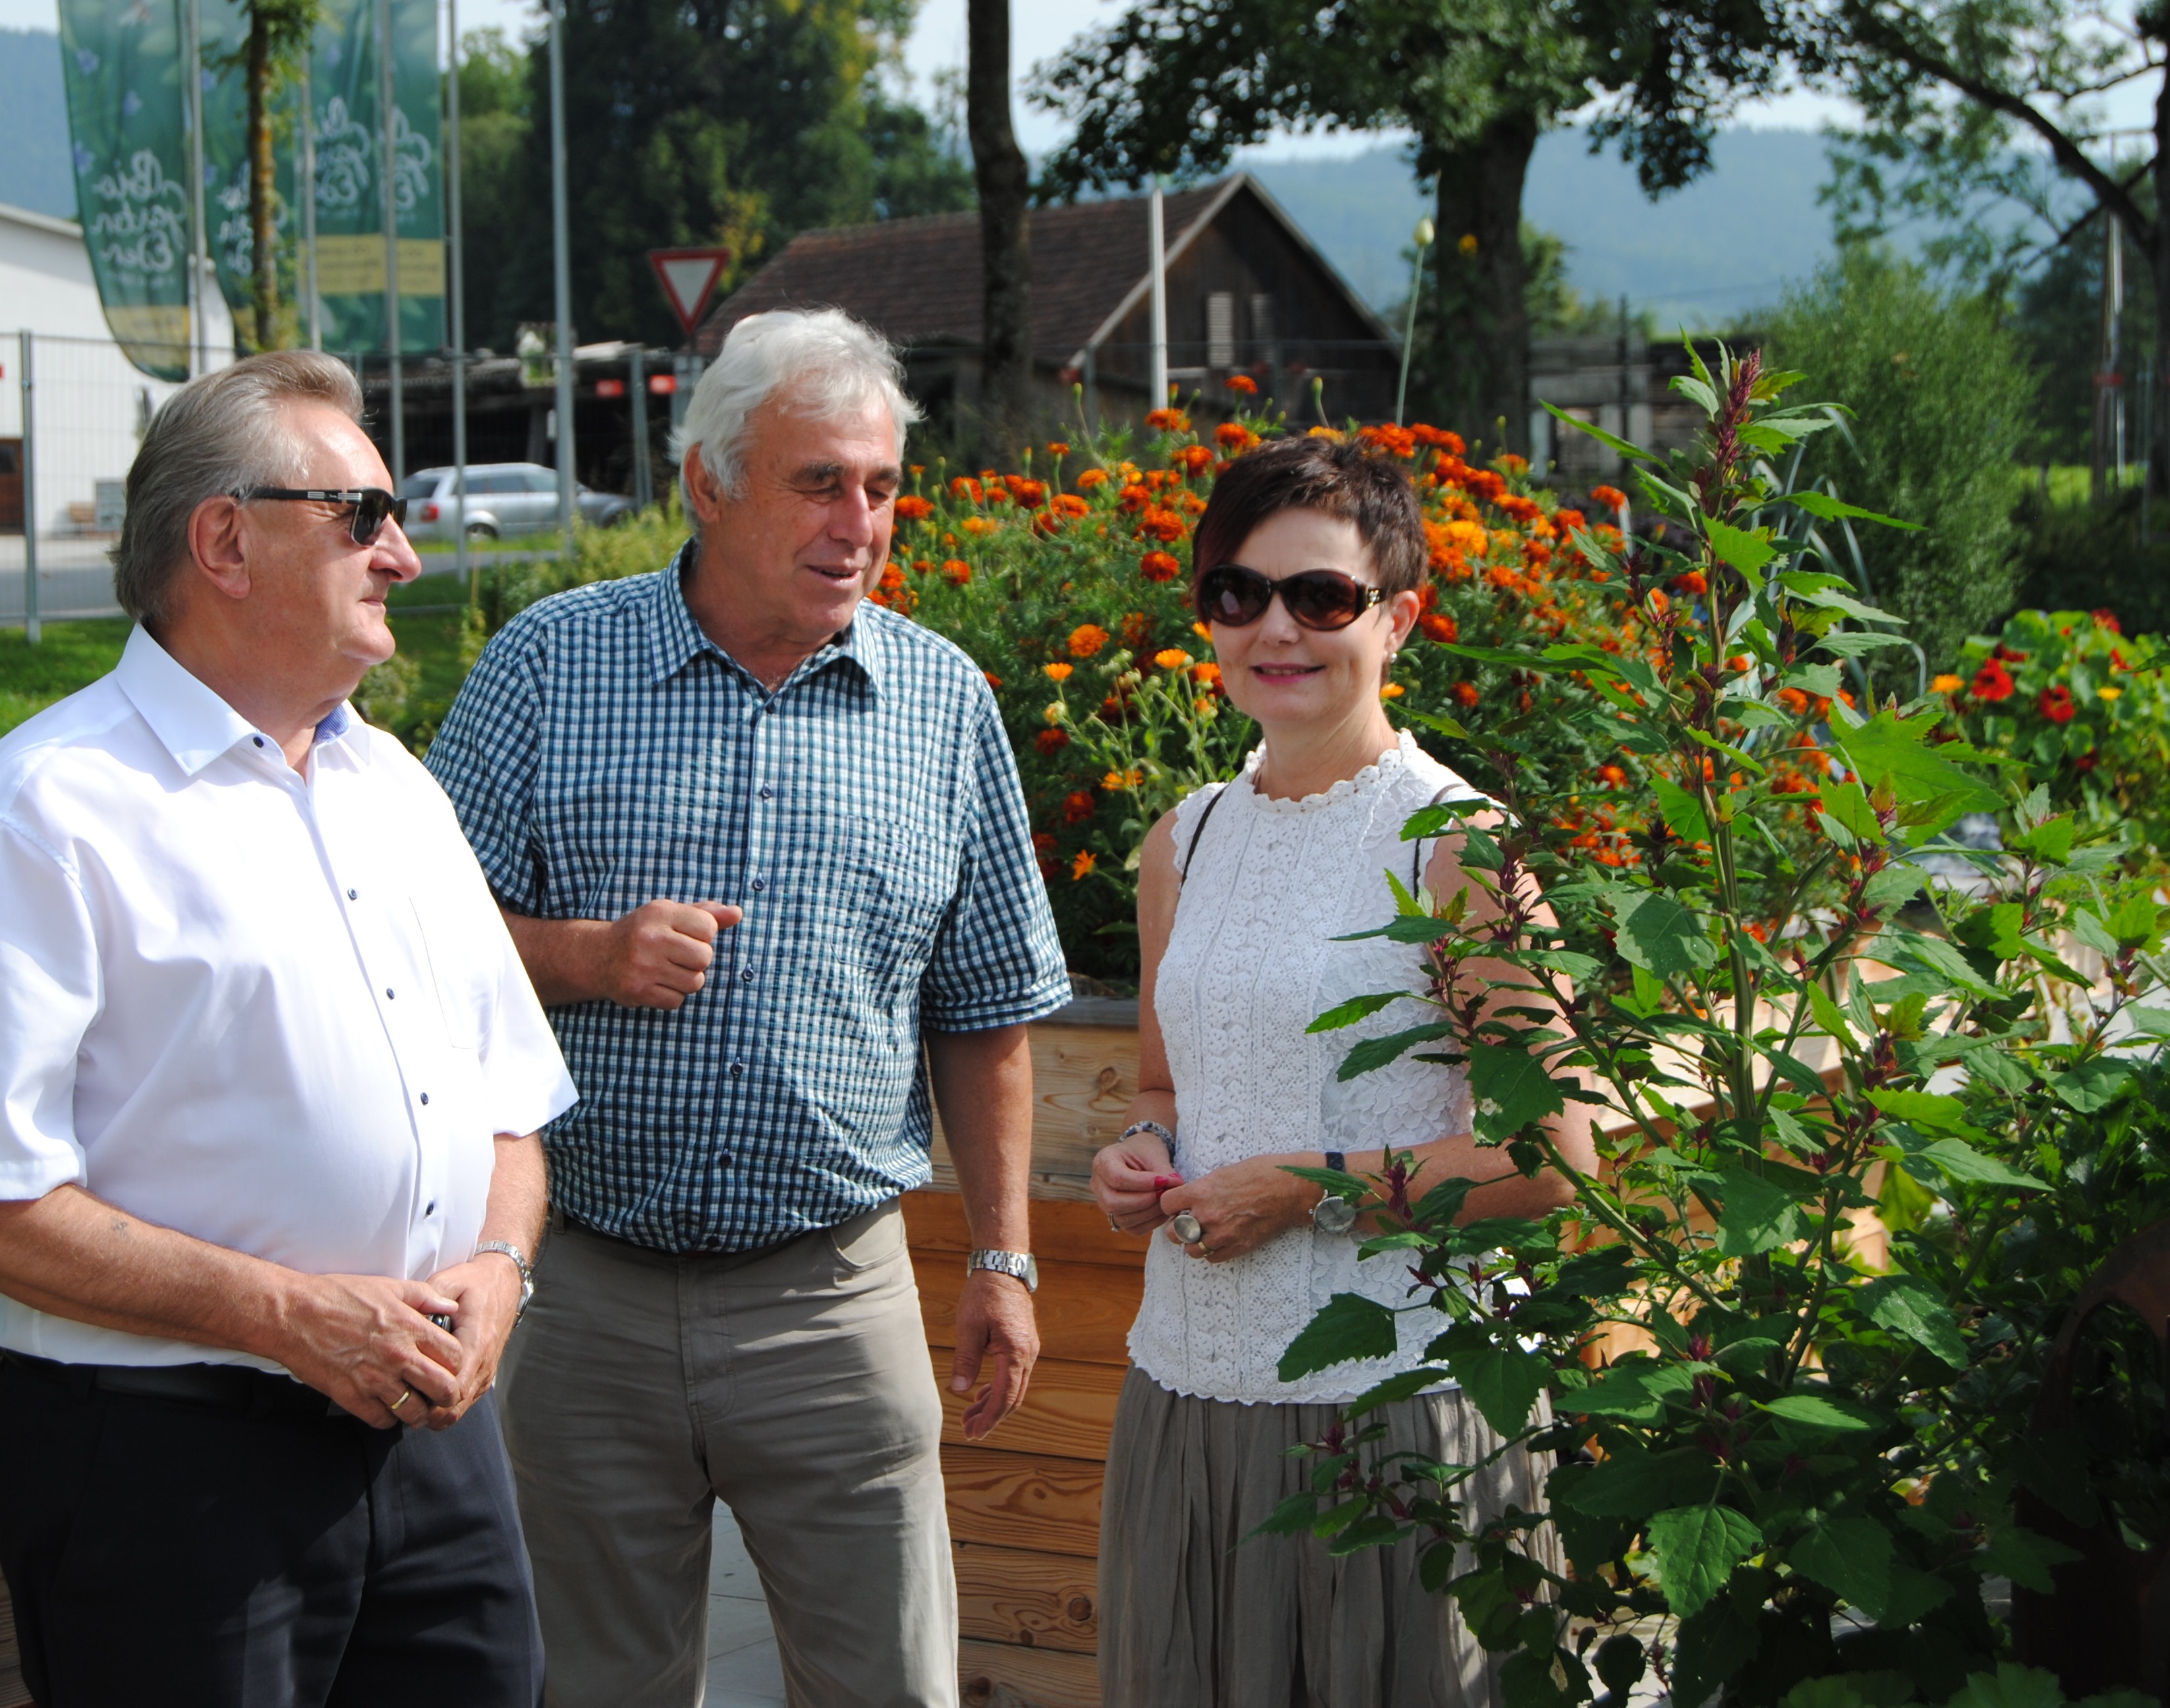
(743, 1668)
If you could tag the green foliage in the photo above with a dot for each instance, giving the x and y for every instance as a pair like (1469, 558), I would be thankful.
(2083, 556)
(1937, 395)
(1790, 1329)
(2057, 314)
(736, 122)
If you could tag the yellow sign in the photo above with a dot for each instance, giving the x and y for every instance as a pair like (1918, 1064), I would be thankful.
(354, 266)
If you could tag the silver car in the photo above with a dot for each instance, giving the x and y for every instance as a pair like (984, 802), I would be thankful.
(503, 499)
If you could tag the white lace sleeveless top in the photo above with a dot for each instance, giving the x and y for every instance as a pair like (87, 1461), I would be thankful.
(1250, 964)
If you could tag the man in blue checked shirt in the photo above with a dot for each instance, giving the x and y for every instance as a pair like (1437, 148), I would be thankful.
(758, 843)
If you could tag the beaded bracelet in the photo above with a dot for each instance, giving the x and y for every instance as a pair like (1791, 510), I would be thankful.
(1155, 1127)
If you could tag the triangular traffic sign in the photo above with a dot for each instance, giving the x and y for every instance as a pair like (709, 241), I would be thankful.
(689, 278)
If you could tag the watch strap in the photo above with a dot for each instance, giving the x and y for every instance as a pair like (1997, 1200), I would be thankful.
(505, 1249)
(1337, 1161)
(1019, 1265)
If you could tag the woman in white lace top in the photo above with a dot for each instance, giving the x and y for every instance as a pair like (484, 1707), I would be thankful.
(1308, 564)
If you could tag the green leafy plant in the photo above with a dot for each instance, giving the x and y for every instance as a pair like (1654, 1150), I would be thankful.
(1761, 1342)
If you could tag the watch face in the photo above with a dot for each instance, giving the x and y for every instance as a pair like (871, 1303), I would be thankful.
(1031, 1273)
(1334, 1215)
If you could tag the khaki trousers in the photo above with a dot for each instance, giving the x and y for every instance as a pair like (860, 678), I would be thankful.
(796, 1387)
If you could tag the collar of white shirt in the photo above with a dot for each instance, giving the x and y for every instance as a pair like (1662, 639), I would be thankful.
(190, 719)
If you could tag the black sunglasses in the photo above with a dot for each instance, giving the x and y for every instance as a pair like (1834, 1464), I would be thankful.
(373, 506)
(1236, 596)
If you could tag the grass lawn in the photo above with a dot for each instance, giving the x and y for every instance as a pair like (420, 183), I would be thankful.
(73, 655)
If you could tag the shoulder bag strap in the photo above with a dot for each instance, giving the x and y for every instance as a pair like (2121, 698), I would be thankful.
(1198, 830)
(1416, 859)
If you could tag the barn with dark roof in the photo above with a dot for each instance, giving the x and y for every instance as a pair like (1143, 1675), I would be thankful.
(1248, 293)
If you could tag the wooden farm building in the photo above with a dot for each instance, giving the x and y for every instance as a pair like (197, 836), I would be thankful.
(1248, 293)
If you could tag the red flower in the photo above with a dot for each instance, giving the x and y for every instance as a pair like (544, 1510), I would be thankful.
(1694, 581)
(2087, 761)
(1610, 496)
(1077, 806)
(958, 571)
(1159, 566)
(1050, 742)
(2056, 703)
(2106, 618)
(911, 508)
(1993, 682)
(1465, 694)
(1242, 385)
(1439, 626)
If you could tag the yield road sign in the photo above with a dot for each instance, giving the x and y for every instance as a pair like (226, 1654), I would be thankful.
(689, 278)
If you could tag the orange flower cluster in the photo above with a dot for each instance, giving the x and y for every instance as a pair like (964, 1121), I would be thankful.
(911, 508)
(1159, 566)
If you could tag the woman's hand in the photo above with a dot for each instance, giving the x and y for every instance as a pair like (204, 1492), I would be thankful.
(1128, 1180)
(1241, 1207)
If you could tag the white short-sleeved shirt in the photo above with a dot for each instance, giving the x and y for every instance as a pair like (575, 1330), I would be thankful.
(278, 1012)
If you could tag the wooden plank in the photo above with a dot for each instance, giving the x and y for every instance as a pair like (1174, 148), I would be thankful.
(1068, 1411)
(1069, 1233)
(1023, 1500)
(994, 1675)
(1085, 1310)
(1083, 1080)
(1044, 1601)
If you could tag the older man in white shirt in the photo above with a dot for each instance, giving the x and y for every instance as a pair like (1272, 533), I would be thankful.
(270, 1074)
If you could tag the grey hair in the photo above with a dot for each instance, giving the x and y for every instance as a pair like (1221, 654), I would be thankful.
(833, 365)
(219, 434)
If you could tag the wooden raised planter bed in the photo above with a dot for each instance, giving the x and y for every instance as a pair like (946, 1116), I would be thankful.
(1024, 1505)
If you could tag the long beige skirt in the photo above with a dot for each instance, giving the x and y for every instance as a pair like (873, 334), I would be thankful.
(1192, 1615)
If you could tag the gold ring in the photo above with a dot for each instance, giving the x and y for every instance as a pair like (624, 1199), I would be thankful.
(405, 1395)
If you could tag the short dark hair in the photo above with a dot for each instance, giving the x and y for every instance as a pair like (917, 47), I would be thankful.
(1339, 477)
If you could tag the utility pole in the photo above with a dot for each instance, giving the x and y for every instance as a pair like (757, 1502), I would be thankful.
(2109, 383)
(388, 164)
(459, 309)
(562, 269)
(1157, 244)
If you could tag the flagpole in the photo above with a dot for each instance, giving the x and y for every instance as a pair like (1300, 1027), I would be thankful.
(307, 189)
(562, 269)
(387, 162)
(459, 311)
(199, 240)
(1156, 245)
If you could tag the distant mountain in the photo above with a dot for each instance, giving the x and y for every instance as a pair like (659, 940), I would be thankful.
(1727, 242)
(34, 133)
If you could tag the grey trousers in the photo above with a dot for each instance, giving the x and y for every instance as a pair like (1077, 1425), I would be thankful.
(1195, 1611)
(796, 1387)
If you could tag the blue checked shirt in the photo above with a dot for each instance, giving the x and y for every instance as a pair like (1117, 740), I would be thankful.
(868, 817)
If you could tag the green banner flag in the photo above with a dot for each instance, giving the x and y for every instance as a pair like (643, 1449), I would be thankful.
(128, 121)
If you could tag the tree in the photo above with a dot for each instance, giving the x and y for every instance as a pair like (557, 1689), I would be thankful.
(1005, 187)
(1967, 101)
(1176, 85)
(495, 117)
(1940, 396)
(279, 31)
(738, 123)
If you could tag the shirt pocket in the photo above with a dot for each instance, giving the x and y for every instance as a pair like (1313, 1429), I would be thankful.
(464, 967)
(898, 888)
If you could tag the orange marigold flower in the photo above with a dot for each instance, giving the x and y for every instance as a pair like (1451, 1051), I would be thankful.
(964, 486)
(1692, 581)
(1196, 458)
(1050, 742)
(1077, 806)
(1485, 484)
(892, 578)
(1136, 626)
(1465, 694)
(1082, 866)
(1058, 672)
(1056, 447)
(1087, 639)
(1159, 566)
(1031, 494)
(1395, 441)
(1659, 601)
(1794, 700)
(1610, 496)
(1167, 421)
(1208, 673)
(976, 525)
(1439, 626)
(1173, 659)
(1242, 385)
(1611, 776)
(1234, 435)
(1522, 509)
(1202, 633)
(1439, 438)
(1092, 477)
(1160, 524)
(1116, 782)
(1134, 497)
(957, 571)
(1068, 503)
(1947, 684)
(912, 508)
(1569, 520)
(1392, 690)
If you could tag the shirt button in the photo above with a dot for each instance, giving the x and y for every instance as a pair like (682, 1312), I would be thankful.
(353, 895)
(258, 739)
(430, 1208)
(738, 1069)
(745, 975)
(393, 996)
(767, 792)
(425, 1096)
(760, 884)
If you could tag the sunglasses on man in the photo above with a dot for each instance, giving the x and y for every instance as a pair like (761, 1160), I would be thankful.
(1237, 597)
(373, 506)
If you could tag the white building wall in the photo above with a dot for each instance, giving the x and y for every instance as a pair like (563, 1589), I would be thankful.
(91, 401)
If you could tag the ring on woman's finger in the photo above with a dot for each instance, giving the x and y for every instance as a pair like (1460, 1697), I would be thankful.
(1188, 1228)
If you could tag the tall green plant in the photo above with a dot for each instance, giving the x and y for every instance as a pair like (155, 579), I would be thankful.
(1755, 1341)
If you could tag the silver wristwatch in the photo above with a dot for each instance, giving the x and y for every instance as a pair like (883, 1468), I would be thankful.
(1332, 1214)
(1019, 1265)
(520, 1260)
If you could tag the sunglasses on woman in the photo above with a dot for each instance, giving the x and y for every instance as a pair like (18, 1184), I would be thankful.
(1237, 597)
(373, 506)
